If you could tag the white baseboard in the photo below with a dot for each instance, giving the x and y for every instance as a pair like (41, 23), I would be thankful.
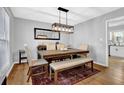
(16, 62)
(23, 61)
(100, 64)
(10, 70)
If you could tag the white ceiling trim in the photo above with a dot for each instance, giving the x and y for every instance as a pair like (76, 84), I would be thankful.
(76, 15)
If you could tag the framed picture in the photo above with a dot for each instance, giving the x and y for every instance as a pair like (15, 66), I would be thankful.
(46, 34)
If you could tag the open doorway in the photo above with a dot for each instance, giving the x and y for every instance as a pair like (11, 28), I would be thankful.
(115, 40)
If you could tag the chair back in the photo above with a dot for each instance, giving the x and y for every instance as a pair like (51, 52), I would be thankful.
(51, 46)
(60, 46)
(28, 53)
(83, 47)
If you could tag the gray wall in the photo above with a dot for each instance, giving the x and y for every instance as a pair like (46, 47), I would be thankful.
(93, 33)
(24, 33)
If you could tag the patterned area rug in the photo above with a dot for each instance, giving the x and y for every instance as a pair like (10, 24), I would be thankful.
(67, 77)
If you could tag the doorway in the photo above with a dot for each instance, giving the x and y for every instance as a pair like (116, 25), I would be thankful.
(115, 40)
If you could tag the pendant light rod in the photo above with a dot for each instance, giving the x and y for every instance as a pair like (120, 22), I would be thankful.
(66, 19)
(63, 10)
(59, 16)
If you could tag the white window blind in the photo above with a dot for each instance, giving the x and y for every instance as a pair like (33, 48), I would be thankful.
(4, 43)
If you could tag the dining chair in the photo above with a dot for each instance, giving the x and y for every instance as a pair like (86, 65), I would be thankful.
(51, 46)
(63, 47)
(36, 67)
(85, 48)
(60, 46)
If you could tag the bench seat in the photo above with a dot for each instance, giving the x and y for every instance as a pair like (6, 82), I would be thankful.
(64, 65)
(69, 63)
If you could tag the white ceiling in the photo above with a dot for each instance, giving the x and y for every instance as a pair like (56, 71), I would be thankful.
(51, 15)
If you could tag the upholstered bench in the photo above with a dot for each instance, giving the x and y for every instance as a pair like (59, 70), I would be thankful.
(64, 65)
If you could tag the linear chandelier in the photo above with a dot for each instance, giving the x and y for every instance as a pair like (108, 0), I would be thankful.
(62, 27)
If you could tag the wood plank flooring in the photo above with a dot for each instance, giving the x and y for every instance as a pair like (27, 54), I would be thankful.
(114, 74)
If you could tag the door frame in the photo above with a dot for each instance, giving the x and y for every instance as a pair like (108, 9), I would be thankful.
(106, 26)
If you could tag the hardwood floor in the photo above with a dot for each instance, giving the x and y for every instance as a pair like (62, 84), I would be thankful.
(114, 74)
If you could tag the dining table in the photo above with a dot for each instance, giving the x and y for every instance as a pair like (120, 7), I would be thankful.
(52, 55)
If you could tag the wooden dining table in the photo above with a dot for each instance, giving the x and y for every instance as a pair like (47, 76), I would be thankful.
(51, 55)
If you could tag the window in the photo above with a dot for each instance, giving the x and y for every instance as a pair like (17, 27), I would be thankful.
(4, 43)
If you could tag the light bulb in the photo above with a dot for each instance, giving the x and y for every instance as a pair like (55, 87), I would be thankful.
(59, 28)
(63, 29)
(55, 28)
(66, 29)
(69, 30)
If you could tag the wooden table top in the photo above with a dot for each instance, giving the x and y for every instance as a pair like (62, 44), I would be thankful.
(46, 53)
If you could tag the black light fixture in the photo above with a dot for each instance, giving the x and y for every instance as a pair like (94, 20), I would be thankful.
(62, 27)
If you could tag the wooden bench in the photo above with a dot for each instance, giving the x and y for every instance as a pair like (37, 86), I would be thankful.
(64, 65)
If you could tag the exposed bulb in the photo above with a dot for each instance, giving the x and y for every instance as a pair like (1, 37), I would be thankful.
(59, 28)
(69, 30)
(55, 28)
(63, 29)
(66, 29)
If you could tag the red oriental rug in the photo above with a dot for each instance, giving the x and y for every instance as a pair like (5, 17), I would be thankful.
(67, 77)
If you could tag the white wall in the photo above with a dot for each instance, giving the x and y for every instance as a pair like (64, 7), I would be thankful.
(24, 33)
(93, 32)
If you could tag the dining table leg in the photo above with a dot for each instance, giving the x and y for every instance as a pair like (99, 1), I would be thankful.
(92, 66)
(50, 75)
(55, 77)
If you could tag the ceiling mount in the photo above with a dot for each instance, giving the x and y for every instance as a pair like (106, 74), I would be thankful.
(62, 9)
